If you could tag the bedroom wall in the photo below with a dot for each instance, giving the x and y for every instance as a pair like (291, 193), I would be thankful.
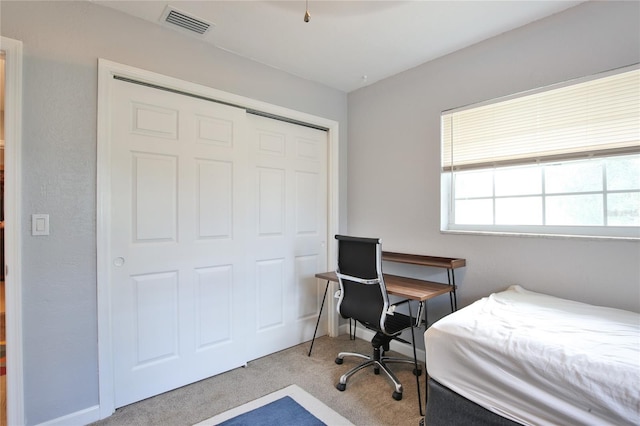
(394, 159)
(62, 42)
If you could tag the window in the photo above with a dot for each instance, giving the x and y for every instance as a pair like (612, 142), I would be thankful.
(562, 160)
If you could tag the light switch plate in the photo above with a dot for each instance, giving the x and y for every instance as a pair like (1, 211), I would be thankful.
(39, 224)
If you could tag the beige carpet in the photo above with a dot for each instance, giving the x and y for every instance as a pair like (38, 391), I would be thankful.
(367, 400)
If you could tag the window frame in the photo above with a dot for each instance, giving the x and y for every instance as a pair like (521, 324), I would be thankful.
(448, 224)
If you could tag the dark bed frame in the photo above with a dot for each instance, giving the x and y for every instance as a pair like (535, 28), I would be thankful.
(447, 408)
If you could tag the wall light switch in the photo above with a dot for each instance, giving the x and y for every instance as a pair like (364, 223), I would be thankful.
(39, 224)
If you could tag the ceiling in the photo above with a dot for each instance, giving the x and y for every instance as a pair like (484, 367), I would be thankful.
(346, 44)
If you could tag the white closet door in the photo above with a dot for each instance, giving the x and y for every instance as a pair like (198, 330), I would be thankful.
(178, 243)
(287, 233)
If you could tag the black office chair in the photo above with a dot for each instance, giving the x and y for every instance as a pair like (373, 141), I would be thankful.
(363, 297)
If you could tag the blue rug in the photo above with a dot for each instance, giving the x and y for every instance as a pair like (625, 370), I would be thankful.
(291, 406)
(284, 411)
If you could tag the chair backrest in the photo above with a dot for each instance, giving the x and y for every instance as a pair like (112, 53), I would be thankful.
(363, 295)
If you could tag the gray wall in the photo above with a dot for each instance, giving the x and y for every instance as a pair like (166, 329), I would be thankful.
(62, 41)
(394, 159)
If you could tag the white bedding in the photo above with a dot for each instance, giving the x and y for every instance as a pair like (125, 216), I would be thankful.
(541, 360)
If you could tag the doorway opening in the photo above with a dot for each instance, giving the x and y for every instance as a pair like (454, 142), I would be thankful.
(12, 409)
(3, 346)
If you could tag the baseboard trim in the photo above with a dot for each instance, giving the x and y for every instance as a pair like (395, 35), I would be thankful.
(79, 418)
(402, 348)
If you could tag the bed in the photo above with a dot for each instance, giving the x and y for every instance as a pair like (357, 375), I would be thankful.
(520, 357)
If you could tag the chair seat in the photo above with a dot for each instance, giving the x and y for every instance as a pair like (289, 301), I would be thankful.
(395, 323)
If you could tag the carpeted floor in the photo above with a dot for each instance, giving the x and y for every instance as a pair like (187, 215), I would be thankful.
(367, 400)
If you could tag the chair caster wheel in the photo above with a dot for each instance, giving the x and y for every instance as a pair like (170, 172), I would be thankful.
(339, 360)
(417, 372)
(341, 387)
(397, 396)
(376, 371)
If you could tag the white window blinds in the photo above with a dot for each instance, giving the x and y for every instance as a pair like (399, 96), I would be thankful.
(596, 117)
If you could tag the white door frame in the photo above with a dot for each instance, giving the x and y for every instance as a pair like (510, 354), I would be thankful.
(106, 71)
(12, 215)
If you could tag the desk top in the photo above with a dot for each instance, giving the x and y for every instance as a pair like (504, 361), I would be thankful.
(410, 288)
(419, 259)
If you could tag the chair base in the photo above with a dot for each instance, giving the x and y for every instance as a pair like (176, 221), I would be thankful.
(379, 362)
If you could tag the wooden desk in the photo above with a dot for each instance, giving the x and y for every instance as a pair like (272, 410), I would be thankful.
(419, 259)
(410, 288)
(448, 263)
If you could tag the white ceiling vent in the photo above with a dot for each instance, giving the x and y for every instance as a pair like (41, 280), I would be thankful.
(177, 18)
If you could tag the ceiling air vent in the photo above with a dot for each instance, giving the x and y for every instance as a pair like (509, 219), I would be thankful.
(185, 21)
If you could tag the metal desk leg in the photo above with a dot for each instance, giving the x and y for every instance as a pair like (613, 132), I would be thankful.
(415, 355)
(453, 298)
(319, 315)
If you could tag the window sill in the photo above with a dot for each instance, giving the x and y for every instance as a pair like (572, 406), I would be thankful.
(539, 235)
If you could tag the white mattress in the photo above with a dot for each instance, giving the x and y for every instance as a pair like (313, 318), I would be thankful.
(541, 360)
